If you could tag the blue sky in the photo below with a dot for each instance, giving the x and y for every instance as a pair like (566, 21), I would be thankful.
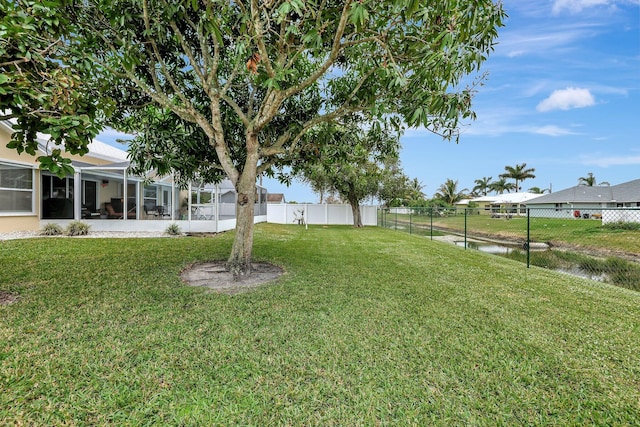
(562, 96)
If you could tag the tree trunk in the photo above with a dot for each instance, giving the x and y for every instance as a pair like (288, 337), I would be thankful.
(239, 262)
(355, 209)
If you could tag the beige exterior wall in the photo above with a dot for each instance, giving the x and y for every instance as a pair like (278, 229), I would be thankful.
(19, 223)
(109, 184)
(31, 222)
(12, 222)
(483, 207)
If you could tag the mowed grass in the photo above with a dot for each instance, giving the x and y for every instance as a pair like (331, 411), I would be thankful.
(586, 233)
(366, 327)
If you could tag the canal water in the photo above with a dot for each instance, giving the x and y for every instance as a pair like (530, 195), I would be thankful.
(497, 249)
(491, 248)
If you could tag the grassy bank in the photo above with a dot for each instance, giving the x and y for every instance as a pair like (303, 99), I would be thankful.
(585, 233)
(367, 327)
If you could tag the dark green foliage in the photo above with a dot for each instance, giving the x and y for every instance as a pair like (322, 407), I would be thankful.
(45, 82)
(240, 84)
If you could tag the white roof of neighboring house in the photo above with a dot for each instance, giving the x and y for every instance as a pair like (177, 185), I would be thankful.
(508, 198)
(515, 198)
(484, 198)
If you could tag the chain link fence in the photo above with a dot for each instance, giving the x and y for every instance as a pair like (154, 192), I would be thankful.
(599, 244)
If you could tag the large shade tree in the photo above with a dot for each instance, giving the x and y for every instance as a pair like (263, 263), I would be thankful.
(231, 68)
(44, 87)
(350, 158)
(395, 186)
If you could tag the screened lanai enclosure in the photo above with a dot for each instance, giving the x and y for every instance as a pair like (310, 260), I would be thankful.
(218, 201)
(108, 198)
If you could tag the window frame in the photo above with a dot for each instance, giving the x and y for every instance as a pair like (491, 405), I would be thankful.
(31, 190)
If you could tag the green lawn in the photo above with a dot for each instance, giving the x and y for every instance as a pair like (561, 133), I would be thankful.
(585, 233)
(367, 327)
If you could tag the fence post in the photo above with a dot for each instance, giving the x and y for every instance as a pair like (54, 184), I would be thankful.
(465, 229)
(395, 227)
(528, 244)
(431, 222)
(410, 213)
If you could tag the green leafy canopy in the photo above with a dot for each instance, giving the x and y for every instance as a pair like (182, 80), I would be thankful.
(247, 78)
(191, 59)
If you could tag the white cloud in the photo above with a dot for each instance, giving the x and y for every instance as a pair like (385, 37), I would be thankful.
(567, 99)
(575, 6)
(524, 42)
(553, 130)
(612, 161)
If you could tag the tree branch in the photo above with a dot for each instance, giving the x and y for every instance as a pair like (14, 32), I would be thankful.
(160, 60)
(335, 50)
(256, 23)
(187, 50)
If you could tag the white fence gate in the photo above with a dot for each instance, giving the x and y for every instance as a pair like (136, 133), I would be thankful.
(319, 214)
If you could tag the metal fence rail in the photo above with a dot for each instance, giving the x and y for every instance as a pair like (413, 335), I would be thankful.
(599, 244)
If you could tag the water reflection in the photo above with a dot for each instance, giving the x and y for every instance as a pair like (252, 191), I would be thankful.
(496, 249)
(490, 248)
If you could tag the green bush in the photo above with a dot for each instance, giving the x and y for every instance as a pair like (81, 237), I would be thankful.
(51, 230)
(77, 228)
(173, 229)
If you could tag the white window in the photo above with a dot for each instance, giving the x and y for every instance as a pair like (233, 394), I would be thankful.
(16, 189)
(150, 196)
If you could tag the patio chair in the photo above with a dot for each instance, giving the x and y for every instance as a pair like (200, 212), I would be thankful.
(117, 208)
(147, 211)
(111, 212)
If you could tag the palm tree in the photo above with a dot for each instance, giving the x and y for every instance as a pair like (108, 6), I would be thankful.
(501, 185)
(449, 193)
(415, 189)
(518, 173)
(590, 180)
(538, 190)
(483, 185)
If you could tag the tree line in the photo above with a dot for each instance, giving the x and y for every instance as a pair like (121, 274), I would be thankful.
(392, 187)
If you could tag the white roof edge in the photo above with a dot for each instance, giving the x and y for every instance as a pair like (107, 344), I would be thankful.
(97, 149)
(104, 151)
(517, 197)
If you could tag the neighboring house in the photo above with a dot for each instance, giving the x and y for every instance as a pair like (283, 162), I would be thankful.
(498, 204)
(276, 198)
(101, 193)
(594, 199)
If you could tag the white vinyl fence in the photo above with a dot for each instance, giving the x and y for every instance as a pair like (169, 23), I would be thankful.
(319, 214)
(620, 215)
